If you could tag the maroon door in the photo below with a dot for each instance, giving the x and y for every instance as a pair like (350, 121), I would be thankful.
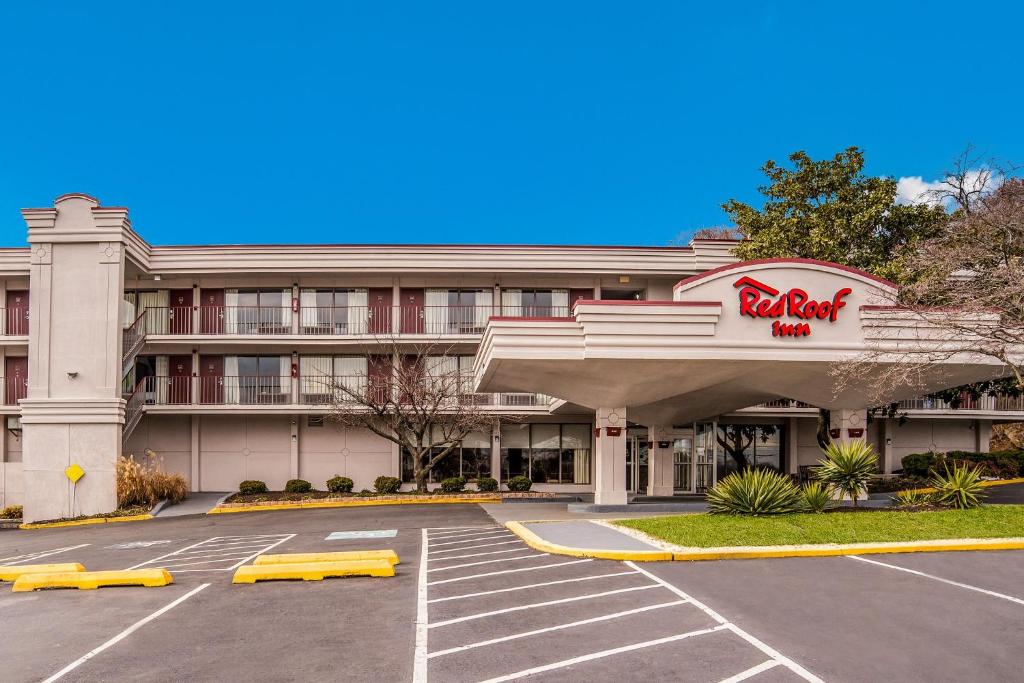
(211, 311)
(15, 379)
(380, 310)
(179, 382)
(412, 311)
(17, 313)
(574, 296)
(211, 379)
(181, 311)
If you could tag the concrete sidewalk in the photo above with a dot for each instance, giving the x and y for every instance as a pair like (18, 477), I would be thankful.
(195, 504)
(587, 534)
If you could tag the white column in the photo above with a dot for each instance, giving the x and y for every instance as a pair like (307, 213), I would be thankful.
(886, 433)
(848, 422)
(792, 445)
(660, 469)
(296, 314)
(196, 484)
(294, 432)
(610, 457)
(982, 435)
(496, 452)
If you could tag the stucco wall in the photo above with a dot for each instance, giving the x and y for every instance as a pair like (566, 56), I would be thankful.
(170, 437)
(919, 435)
(355, 453)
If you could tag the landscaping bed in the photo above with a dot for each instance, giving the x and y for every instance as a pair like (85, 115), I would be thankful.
(709, 531)
(120, 513)
(241, 499)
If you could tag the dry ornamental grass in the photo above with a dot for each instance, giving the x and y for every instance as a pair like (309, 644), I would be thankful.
(139, 484)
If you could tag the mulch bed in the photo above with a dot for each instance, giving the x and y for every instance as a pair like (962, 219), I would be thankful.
(327, 496)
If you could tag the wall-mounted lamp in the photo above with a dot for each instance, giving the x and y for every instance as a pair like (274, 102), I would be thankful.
(14, 426)
(888, 441)
(73, 374)
(156, 278)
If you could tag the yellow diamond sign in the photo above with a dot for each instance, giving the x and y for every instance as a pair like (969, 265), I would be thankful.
(74, 473)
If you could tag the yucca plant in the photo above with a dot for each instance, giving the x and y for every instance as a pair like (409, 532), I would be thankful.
(816, 495)
(958, 488)
(755, 492)
(911, 498)
(847, 468)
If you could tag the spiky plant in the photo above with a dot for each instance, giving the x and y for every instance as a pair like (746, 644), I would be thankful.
(958, 488)
(911, 498)
(755, 492)
(816, 496)
(847, 467)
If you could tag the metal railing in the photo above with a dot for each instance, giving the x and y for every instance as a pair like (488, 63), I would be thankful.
(1000, 403)
(132, 338)
(14, 322)
(345, 320)
(134, 403)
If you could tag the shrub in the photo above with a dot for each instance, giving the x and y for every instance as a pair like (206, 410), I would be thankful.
(297, 486)
(453, 485)
(911, 498)
(486, 484)
(816, 495)
(250, 486)
(958, 488)
(338, 484)
(919, 464)
(755, 492)
(519, 484)
(140, 485)
(847, 468)
(387, 485)
(11, 512)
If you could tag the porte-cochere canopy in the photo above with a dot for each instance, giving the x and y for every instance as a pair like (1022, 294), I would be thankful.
(730, 338)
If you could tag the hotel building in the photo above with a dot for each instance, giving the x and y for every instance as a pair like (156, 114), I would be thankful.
(634, 370)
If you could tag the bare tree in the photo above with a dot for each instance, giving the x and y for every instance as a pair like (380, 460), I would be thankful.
(964, 294)
(717, 232)
(415, 396)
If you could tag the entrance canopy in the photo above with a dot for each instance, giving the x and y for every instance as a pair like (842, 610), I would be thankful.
(732, 337)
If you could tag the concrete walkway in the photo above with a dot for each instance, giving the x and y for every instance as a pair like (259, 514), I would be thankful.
(195, 504)
(527, 512)
(587, 534)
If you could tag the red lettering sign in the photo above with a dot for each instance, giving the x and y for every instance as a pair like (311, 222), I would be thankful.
(759, 300)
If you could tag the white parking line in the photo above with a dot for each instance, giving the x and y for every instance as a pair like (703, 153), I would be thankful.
(235, 551)
(474, 540)
(752, 671)
(965, 586)
(493, 552)
(123, 634)
(532, 585)
(603, 653)
(419, 662)
(547, 603)
(28, 557)
(560, 627)
(763, 647)
(467, 535)
(510, 571)
(475, 564)
(472, 547)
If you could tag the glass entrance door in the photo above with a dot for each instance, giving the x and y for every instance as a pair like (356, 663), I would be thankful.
(636, 463)
(682, 464)
(704, 455)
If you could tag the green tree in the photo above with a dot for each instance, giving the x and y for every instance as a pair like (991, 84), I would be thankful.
(829, 210)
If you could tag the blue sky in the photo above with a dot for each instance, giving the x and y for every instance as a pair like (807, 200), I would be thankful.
(536, 122)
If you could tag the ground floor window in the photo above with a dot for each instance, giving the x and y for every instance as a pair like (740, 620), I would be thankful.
(546, 453)
(745, 445)
(470, 459)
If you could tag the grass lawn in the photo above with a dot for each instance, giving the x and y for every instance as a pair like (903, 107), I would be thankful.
(707, 531)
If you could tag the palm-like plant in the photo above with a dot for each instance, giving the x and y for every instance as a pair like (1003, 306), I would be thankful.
(958, 488)
(847, 467)
(755, 492)
(816, 496)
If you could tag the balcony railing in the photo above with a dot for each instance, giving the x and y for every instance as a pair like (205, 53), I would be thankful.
(434, 321)
(996, 404)
(14, 322)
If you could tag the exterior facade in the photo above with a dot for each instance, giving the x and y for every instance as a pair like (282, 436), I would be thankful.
(209, 358)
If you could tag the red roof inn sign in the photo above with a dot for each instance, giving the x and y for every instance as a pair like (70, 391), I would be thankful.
(759, 300)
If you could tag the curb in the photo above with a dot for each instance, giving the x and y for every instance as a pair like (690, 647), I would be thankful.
(298, 505)
(765, 552)
(83, 522)
(537, 543)
(985, 484)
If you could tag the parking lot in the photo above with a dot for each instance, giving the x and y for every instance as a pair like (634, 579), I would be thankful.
(471, 602)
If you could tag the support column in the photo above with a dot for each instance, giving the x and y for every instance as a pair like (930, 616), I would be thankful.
(982, 435)
(74, 411)
(496, 452)
(294, 445)
(792, 445)
(196, 484)
(852, 425)
(610, 460)
(660, 468)
(886, 432)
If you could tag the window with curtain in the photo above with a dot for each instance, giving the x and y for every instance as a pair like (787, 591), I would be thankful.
(156, 305)
(258, 379)
(457, 311)
(319, 376)
(550, 453)
(258, 311)
(333, 311)
(535, 303)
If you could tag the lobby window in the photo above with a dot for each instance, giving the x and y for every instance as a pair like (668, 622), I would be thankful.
(333, 311)
(470, 459)
(535, 303)
(749, 445)
(546, 453)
